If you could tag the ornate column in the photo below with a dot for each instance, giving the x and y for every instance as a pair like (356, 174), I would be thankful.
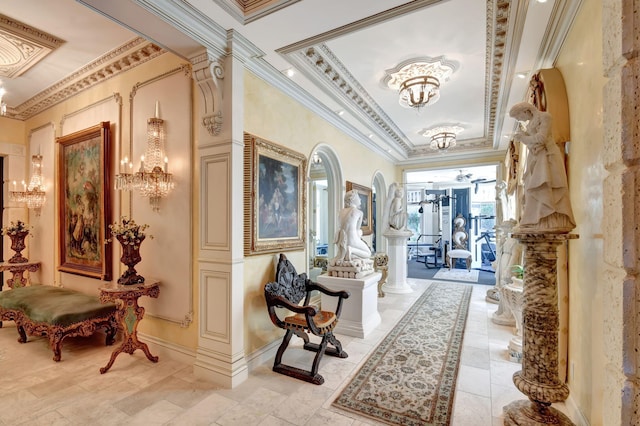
(538, 378)
(220, 356)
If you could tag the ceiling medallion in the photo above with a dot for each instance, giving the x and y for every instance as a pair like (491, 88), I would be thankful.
(418, 80)
(443, 137)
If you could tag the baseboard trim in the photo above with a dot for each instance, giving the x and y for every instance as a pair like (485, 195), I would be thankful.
(574, 412)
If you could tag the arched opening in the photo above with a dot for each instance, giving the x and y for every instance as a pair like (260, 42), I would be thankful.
(325, 194)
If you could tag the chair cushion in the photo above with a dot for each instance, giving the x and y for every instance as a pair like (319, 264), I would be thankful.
(459, 253)
(324, 320)
(54, 305)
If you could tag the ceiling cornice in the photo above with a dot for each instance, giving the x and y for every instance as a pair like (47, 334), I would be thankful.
(561, 20)
(246, 11)
(119, 60)
(318, 63)
(189, 21)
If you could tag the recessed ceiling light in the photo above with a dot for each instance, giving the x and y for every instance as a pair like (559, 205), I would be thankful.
(370, 135)
(290, 72)
(341, 112)
(521, 75)
(541, 1)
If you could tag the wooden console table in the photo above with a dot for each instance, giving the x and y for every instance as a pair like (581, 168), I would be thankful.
(129, 315)
(17, 270)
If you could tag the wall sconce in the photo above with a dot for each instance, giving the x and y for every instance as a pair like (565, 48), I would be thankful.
(32, 195)
(152, 179)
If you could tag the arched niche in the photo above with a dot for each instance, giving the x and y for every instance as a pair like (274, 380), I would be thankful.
(323, 165)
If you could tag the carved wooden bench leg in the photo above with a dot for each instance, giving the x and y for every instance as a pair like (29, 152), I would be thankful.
(55, 342)
(22, 334)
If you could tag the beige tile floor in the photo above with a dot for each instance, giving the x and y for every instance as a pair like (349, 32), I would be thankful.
(37, 391)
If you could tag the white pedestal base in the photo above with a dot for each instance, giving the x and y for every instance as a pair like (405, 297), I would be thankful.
(397, 251)
(360, 313)
(515, 350)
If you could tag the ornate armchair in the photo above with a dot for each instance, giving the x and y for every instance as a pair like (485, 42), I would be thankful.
(459, 238)
(288, 289)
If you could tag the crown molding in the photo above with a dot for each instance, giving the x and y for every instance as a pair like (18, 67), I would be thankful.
(119, 60)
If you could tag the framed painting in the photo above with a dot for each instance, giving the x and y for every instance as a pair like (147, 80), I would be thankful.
(275, 197)
(365, 205)
(84, 202)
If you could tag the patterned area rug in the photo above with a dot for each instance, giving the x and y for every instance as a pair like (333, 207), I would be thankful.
(410, 378)
(457, 275)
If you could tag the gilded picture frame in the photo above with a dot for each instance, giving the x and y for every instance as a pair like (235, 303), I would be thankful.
(366, 205)
(84, 202)
(275, 197)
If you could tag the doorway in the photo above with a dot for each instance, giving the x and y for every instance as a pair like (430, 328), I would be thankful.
(436, 196)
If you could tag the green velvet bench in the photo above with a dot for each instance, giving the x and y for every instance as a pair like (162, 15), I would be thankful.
(57, 313)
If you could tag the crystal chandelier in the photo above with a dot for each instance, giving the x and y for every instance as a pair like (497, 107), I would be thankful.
(442, 137)
(443, 141)
(152, 179)
(32, 195)
(418, 80)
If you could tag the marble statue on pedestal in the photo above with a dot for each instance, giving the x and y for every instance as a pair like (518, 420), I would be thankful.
(395, 231)
(546, 207)
(353, 258)
(394, 213)
(513, 295)
(510, 254)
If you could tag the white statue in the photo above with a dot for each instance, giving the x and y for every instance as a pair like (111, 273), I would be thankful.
(510, 254)
(394, 209)
(547, 207)
(350, 244)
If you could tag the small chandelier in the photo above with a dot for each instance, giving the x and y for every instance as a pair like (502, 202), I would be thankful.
(443, 141)
(152, 179)
(420, 91)
(418, 80)
(442, 137)
(32, 195)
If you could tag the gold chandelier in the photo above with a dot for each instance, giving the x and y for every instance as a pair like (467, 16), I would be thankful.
(152, 179)
(443, 141)
(32, 195)
(418, 80)
(442, 137)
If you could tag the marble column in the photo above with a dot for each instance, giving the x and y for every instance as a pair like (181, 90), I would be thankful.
(397, 268)
(538, 378)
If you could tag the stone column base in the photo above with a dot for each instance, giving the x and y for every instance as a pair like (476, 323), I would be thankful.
(527, 413)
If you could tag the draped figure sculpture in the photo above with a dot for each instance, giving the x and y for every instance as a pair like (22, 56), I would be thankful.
(394, 210)
(547, 207)
(348, 239)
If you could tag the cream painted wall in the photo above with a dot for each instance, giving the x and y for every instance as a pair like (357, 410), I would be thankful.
(122, 84)
(274, 116)
(580, 62)
(12, 131)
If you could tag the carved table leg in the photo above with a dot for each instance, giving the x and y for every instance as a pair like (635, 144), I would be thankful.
(129, 315)
(538, 378)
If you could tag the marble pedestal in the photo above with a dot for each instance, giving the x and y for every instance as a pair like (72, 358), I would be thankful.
(360, 313)
(397, 268)
(538, 379)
